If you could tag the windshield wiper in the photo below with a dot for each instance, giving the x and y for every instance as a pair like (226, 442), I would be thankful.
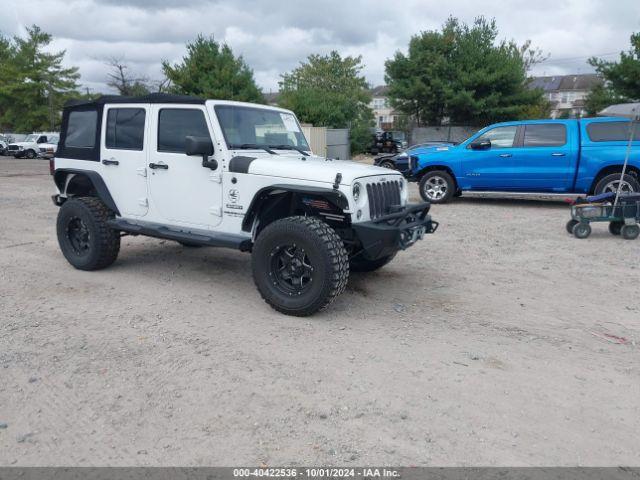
(253, 146)
(289, 147)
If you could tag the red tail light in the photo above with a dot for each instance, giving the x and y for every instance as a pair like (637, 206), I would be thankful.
(52, 165)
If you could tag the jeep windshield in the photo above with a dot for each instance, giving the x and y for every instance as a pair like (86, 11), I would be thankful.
(260, 128)
(31, 138)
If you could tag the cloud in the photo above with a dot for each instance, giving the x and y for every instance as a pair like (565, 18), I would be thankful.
(274, 36)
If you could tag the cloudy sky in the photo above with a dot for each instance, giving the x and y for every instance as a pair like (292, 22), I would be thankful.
(274, 35)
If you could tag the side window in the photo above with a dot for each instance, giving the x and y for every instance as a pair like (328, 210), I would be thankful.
(81, 129)
(125, 128)
(545, 135)
(611, 132)
(175, 124)
(500, 137)
(42, 139)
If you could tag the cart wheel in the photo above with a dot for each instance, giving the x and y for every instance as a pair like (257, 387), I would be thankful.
(581, 230)
(615, 228)
(630, 232)
(571, 224)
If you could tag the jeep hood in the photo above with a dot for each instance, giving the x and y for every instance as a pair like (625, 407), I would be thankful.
(311, 168)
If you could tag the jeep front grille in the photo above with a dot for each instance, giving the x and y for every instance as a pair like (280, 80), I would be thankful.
(382, 195)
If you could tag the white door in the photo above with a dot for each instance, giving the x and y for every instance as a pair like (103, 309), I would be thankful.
(182, 191)
(124, 157)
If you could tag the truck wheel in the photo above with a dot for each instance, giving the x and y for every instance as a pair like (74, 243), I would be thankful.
(299, 265)
(570, 224)
(630, 232)
(610, 184)
(85, 238)
(615, 228)
(361, 264)
(388, 164)
(437, 186)
(581, 230)
(30, 154)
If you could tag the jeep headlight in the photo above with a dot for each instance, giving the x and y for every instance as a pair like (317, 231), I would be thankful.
(357, 190)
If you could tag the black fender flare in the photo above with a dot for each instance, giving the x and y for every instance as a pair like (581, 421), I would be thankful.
(336, 197)
(60, 176)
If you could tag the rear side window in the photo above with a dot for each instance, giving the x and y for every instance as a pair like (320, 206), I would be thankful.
(611, 132)
(125, 128)
(545, 135)
(175, 124)
(81, 129)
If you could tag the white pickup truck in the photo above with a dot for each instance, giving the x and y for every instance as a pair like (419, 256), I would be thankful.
(30, 146)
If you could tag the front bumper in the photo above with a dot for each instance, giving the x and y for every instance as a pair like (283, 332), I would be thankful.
(395, 231)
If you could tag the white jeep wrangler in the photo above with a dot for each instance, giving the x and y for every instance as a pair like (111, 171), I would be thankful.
(226, 174)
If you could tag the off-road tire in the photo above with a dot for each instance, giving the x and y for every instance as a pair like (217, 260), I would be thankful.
(604, 181)
(362, 264)
(450, 186)
(103, 241)
(326, 254)
(30, 154)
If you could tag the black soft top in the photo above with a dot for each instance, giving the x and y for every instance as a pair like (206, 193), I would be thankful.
(150, 98)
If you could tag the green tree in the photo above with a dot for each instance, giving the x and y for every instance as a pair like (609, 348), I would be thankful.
(330, 91)
(211, 70)
(463, 74)
(622, 77)
(34, 84)
(601, 96)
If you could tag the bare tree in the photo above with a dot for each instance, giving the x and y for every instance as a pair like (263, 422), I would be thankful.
(121, 79)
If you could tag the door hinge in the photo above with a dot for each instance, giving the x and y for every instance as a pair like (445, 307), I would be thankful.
(217, 211)
(143, 202)
(142, 171)
(215, 177)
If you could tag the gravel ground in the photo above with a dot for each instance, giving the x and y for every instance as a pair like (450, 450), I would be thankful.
(500, 340)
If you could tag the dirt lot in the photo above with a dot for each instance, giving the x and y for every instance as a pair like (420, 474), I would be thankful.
(500, 340)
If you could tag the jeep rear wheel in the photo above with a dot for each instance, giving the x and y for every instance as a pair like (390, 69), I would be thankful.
(299, 265)
(362, 264)
(84, 236)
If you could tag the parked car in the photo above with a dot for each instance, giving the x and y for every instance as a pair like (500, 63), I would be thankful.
(3, 145)
(227, 174)
(386, 142)
(48, 150)
(30, 146)
(536, 156)
(400, 161)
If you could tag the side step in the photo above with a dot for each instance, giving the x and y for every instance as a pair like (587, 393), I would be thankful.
(210, 239)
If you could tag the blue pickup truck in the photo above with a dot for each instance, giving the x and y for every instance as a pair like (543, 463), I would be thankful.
(532, 156)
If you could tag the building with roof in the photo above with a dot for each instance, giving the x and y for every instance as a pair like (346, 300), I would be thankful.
(384, 114)
(566, 93)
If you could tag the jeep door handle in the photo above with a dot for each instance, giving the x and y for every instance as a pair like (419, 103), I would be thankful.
(505, 155)
(110, 162)
(558, 154)
(162, 166)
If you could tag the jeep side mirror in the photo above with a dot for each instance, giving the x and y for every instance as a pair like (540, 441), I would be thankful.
(482, 145)
(201, 146)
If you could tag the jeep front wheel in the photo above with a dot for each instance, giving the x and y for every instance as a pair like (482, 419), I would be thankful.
(437, 186)
(84, 236)
(299, 265)
(30, 154)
